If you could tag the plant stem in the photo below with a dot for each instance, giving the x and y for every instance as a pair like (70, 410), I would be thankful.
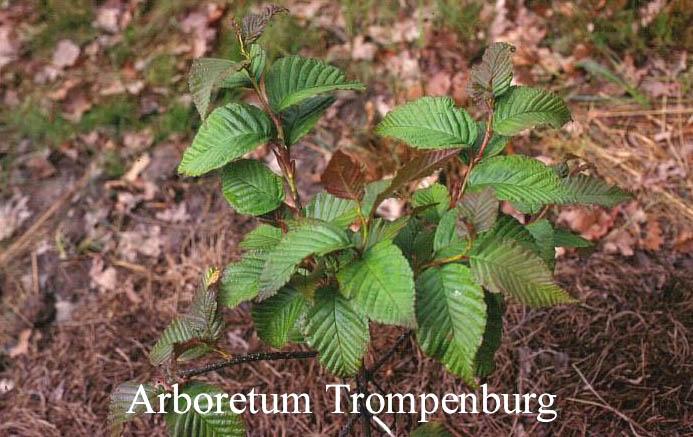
(261, 356)
(362, 384)
(378, 364)
(473, 160)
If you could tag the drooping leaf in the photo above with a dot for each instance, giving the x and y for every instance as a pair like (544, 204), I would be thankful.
(542, 231)
(310, 237)
(502, 265)
(479, 209)
(258, 59)
(451, 315)
(275, 317)
(343, 177)
(432, 429)
(383, 230)
(585, 189)
(178, 332)
(521, 108)
(485, 356)
(508, 227)
(251, 188)
(495, 146)
(416, 242)
(206, 75)
(298, 120)
(212, 424)
(372, 198)
(230, 132)
(293, 80)
(253, 25)
(241, 280)
(338, 331)
(263, 237)
(331, 209)
(419, 167)
(429, 123)
(122, 399)
(436, 195)
(491, 78)
(382, 284)
(565, 238)
(519, 178)
(203, 316)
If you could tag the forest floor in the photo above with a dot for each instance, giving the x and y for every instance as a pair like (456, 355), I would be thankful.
(102, 243)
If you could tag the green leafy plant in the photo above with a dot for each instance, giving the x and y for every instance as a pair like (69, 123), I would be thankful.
(318, 274)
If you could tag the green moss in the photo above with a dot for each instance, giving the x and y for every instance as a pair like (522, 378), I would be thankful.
(61, 19)
(113, 165)
(177, 119)
(160, 70)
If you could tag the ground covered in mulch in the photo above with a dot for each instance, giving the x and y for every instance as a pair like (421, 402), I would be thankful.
(101, 243)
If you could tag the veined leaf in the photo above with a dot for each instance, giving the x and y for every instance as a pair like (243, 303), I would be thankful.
(436, 194)
(565, 238)
(253, 25)
(294, 79)
(503, 266)
(275, 317)
(429, 123)
(451, 315)
(590, 190)
(230, 132)
(258, 59)
(416, 242)
(241, 280)
(338, 331)
(372, 198)
(212, 424)
(298, 120)
(542, 231)
(519, 178)
(203, 316)
(446, 233)
(344, 177)
(263, 237)
(479, 209)
(205, 76)
(495, 146)
(383, 230)
(485, 356)
(179, 331)
(311, 237)
(522, 107)
(121, 401)
(331, 209)
(382, 284)
(251, 188)
(492, 77)
(419, 167)
(508, 227)
(432, 429)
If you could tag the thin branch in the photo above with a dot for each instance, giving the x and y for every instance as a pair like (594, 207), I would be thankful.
(362, 384)
(261, 356)
(474, 159)
(378, 364)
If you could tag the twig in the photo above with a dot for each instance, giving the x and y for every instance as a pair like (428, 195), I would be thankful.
(261, 356)
(474, 159)
(350, 424)
(378, 364)
(362, 384)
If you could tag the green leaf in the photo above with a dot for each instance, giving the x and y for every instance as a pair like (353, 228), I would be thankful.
(382, 284)
(344, 177)
(491, 78)
(590, 190)
(479, 209)
(251, 188)
(275, 317)
(416, 242)
(519, 178)
(258, 59)
(372, 198)
(417, 168)
(495, 146)
(241, 280)
(212, 424)
(263, 237)
(431, 430)
(522, 108)
(429, 123)
(203, 316)
(310, 237)
(383, 230)
(565, 238)
(229, 132)
(206, 75)
(298, 120)
(178, 332)
(451, 315)
(121, 401)
(485, 356)
(253, 25)
(294, 79)
(504, 266)
(446, 233)
(331, 209)
(436, 194)
(542, 231)
(338, 331)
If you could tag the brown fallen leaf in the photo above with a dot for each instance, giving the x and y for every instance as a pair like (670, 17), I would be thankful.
(653, 240)
(22, 346)
(590, 223)
(439, 84)
(65, 54)
(621, 241)
(684, 242)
